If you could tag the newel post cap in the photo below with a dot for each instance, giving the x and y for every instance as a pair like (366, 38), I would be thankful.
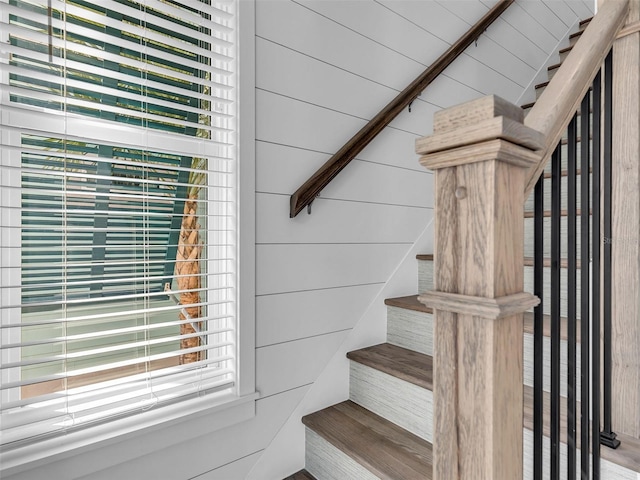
(479, 129)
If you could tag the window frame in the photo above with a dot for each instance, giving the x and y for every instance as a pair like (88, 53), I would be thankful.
(172, 424)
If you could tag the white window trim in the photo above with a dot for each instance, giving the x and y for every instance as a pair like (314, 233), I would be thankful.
(164, 427)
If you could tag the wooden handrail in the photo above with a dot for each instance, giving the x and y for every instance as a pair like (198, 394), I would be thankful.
(321, 178)
(558, 103)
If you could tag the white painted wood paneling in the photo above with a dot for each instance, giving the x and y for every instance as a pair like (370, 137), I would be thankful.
(203, 453)
(545, 17)
(337, 221)
(376, 22)
(234, 470)
(291, 73)
(294, 267)
(291, 24)
(286, 121)
(289, 316)
(360, 181)
(288, 365)
(521, 21)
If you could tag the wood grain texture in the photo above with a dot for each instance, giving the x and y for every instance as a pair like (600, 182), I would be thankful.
(407, 405)
(626, 235)
(301, 475)
(410, 366)
(328, 462)
(489, 129)
(478, 259)
(409, 328)
(385, 449)
(410, 302)
(315, 184)
(491, 308)
(555, 107)
(488, 150)
(475, 112)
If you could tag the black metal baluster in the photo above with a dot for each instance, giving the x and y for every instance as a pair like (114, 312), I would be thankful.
(584, 285)
(607, 436)
(538, 327)
(555, 312)
(572, 140)
(595, 283)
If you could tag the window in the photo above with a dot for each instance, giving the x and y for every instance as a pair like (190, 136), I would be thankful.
(118, 207)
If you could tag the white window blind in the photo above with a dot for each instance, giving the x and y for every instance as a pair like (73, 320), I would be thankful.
(118, 209)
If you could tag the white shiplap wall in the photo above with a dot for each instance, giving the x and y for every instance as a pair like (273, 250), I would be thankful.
(323, 68)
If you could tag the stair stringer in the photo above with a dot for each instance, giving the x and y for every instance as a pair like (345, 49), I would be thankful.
(285, 453)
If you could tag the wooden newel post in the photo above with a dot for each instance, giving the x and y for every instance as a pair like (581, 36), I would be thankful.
(480, 152)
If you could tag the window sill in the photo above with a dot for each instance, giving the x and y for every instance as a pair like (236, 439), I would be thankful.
(154, 430)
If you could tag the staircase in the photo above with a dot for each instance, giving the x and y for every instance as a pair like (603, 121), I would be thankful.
(385, 429)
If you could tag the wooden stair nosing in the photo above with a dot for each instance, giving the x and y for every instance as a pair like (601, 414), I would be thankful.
(301, 475)
(566, 49)
(565, 173)
(528, 261)
(576, 34)
(547, 213)
(409, 302)
(564, 262)
(546, 329)
(627, 455)
(379, 445)
(399, 362)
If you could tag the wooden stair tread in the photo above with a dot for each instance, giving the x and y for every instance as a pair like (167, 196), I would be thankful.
(554, 66)
(576, 34)
(408, 365)
(566, 49)
(547, 213)
(301, 475)
(565, 173)
(564, 263)
(627, 455)
(410, 302)
(546, 329)
(388, 451)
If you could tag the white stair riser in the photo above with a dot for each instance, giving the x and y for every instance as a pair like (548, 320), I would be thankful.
(546, 307)
(403, 403)
(326, 462)
(528, 364)
(425, 275)
(410, 329)
(564, 154)
(529, 226)
(422, 324)
(529, 203)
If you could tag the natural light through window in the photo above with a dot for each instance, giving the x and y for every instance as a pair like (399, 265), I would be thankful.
(118, 209)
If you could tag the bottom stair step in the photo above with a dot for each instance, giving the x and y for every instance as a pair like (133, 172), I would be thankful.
(301, 475)
(346, 441)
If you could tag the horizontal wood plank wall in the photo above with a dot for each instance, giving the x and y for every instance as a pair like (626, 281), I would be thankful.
(313, 94)
(324, 68)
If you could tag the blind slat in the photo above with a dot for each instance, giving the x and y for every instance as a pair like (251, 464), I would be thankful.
(119, 209)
